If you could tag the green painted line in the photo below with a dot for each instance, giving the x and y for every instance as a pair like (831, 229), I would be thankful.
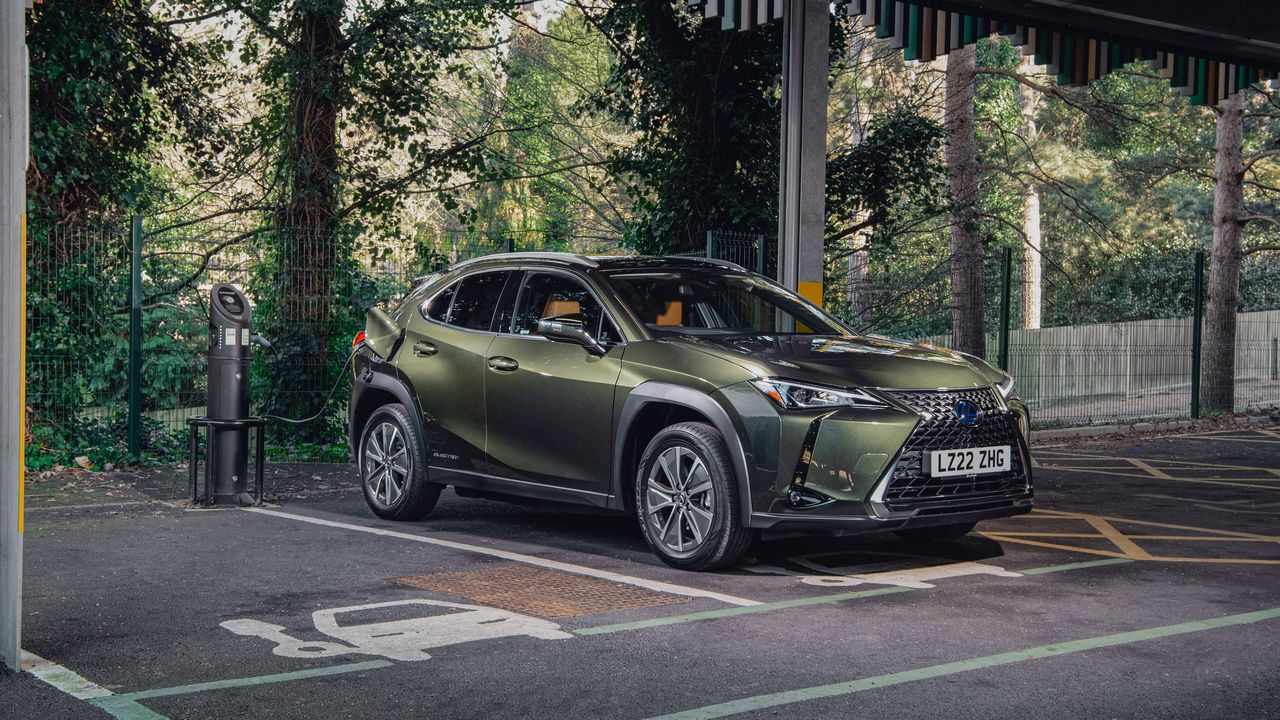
(737, 610)
(1074, 566)
(239, 682)
(801, 602)
(123, 708)
(772, 700)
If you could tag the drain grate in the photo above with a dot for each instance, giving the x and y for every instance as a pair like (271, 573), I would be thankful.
(537, 591)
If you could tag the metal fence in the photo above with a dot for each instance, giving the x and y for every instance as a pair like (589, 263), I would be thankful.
(310, 294)
(1117, 341)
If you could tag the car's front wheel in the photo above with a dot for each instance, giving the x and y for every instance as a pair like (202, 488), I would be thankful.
(393, 474)
(687, 501)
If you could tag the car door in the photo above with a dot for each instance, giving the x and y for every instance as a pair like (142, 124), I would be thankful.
(446, 343)
(550, 404)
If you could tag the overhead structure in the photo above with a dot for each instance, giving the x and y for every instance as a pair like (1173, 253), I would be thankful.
(1207, 53)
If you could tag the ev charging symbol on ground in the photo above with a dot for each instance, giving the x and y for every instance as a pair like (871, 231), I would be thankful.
(405, 639)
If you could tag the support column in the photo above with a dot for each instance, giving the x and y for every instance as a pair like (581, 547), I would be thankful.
(803, 176)
(13, 267)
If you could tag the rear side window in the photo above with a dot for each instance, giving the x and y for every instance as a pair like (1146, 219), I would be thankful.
(437, 308)
(476, 300)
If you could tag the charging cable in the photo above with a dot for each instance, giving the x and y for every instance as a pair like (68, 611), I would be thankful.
(302, 421)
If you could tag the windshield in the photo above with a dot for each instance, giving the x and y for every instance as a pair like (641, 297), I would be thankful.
(715, 302)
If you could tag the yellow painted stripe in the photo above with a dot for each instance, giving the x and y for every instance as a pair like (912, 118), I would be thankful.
(22, 374)
(1118, 539)
(811, 290)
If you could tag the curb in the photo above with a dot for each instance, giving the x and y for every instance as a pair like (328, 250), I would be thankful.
(1149, 428)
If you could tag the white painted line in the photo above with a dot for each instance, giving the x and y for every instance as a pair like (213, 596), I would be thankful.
(61, 678)
(655, 585)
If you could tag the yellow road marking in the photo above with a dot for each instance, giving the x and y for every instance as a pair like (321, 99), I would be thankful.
(1117, 538)
(1150, 469)
(1127, 545)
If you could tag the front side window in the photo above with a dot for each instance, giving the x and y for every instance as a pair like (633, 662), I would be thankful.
(476, 299)
(554, 295)
(715, 302)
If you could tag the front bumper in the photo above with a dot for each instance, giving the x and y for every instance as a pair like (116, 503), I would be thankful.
(861, 469)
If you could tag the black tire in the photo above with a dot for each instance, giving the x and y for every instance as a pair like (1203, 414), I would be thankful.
(694, 511)
(390, 427)
(935, 534)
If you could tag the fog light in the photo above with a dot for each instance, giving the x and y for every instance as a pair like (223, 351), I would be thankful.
(802, 498)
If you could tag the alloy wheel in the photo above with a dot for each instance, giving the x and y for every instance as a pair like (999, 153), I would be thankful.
(679, 500)
(385, 465)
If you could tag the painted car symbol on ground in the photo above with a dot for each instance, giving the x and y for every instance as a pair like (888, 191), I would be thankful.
(404, 639)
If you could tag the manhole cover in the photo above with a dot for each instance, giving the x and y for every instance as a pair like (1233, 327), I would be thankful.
(536, 591)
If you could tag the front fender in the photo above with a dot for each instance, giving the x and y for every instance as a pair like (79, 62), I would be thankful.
(651, 392)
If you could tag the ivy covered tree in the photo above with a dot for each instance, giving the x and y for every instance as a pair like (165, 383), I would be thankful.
(361, 106)
(704, 105)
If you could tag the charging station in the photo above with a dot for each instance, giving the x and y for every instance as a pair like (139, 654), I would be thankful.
(227, 425)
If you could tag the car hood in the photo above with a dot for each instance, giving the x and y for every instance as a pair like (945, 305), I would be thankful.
(864, 361)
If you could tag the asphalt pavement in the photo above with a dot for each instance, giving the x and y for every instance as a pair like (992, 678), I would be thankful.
(1145, 585)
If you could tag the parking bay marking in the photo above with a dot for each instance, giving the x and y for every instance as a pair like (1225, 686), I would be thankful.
(818, 692)
(815, 600)
(656, 585)
(126, 707)
(1125, 543)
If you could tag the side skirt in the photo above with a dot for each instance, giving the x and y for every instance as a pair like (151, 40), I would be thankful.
(491, 485)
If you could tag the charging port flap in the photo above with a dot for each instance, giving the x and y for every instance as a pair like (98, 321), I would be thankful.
(380, 332)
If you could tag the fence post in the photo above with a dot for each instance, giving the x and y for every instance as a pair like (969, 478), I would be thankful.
(135, 340)
(760, 254)
(511, 243)
(711, 244)
(1197, 320)
(1007, 279)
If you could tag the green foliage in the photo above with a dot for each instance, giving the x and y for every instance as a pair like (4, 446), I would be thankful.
(891, 178)
(704, 105)
(109, 84)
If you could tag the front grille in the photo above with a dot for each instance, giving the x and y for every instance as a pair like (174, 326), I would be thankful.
(938, 429)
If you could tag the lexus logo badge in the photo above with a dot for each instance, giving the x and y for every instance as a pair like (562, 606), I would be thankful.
(967, 413)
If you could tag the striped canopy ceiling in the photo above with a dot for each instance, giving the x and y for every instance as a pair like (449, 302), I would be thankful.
(924, 33)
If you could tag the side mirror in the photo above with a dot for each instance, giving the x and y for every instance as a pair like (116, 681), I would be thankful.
(569, 330)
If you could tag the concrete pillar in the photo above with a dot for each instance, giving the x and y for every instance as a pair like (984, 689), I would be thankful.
(13, 163)
(803, 176)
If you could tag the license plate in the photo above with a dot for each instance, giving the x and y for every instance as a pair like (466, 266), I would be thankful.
(969, 461)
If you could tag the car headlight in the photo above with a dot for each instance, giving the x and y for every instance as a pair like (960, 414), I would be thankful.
(803, 396)
(1006, 388)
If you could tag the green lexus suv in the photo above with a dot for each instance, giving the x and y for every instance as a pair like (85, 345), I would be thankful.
(707, 400)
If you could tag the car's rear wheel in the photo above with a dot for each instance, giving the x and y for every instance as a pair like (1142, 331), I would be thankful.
(393, 473)
(935, 534)
(687, 500)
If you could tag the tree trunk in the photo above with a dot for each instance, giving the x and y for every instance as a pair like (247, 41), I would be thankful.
(308, 244)
(1217, 388)
(1029, 100)
(966, 243)
(1031, 290)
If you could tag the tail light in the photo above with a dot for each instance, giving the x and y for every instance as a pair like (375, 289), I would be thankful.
(357, 340)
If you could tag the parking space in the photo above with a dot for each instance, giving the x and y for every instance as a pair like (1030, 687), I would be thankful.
(1146, 584)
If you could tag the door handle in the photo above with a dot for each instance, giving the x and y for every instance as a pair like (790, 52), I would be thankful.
(422, 348)
(501, 363)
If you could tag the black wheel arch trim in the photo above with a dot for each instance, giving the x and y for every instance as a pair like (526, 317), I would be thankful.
(655, 391)
(386, 377)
